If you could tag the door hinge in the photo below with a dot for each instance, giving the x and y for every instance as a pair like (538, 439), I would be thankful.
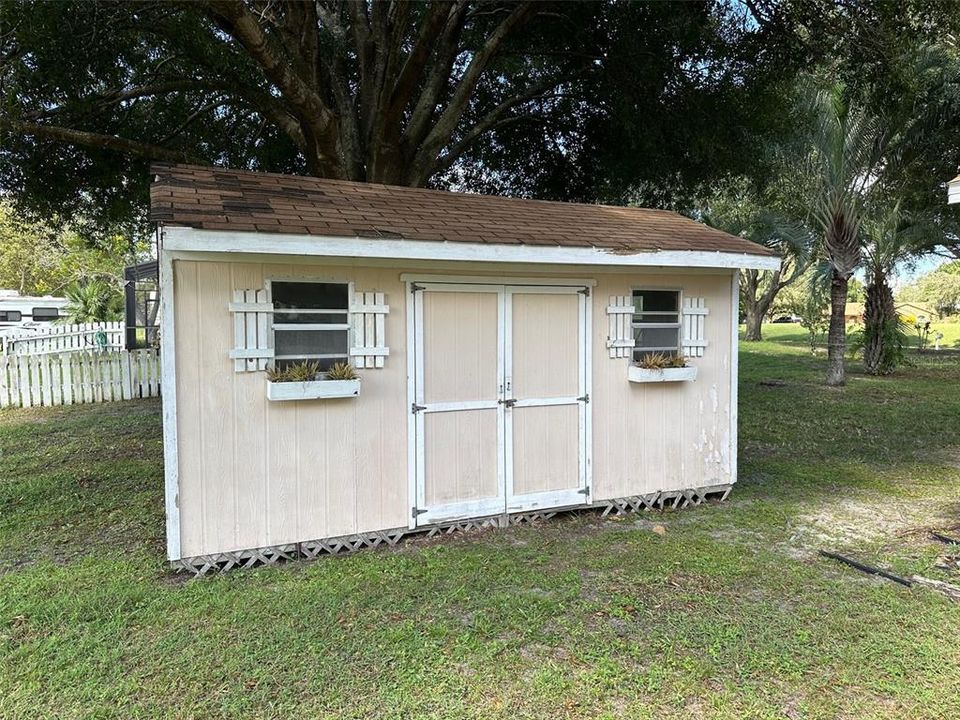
(414, 408)
(584, 291)
(414, 287)
(415, 512)
(584, 490)
(584, 398)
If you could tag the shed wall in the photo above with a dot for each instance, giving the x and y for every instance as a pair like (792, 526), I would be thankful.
(254, 473)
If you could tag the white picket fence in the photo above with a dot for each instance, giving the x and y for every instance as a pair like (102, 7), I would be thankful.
(63, 339)
(78, 377)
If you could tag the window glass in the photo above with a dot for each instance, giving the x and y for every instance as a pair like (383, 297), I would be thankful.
(660, 339)
(656, 322)
(647, 301)
(309, 296)
(310, 343)
(10, 316)
(307, 317)
(299, 332)
(41, 313)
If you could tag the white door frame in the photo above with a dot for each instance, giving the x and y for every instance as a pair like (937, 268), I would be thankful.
(556, 498)
(420, 513)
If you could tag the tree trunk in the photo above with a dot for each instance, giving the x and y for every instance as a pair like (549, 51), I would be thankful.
(837, 335)
(880, 328)
(754, 319)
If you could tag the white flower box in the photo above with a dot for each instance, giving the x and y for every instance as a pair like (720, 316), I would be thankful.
(637, 374)
(313, 389)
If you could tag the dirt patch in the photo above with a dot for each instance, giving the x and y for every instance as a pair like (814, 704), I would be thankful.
(852, 521)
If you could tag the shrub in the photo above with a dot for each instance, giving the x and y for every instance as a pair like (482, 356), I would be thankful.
(660, 361)
(341, 371)
(295, 372)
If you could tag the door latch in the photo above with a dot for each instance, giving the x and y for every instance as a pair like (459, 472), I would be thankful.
(509, 402)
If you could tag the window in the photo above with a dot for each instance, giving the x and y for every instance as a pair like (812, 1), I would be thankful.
(310, 322)
(656, 322)
(10, 316)
(45, 314)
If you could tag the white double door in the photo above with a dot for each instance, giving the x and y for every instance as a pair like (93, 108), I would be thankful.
(501, 392)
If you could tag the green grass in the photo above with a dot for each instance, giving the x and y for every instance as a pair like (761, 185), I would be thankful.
(793, 334)
(729, 613)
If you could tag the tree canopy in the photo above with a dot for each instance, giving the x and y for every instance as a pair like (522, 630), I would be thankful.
(602, 100)
(42, 259)
(940, 289)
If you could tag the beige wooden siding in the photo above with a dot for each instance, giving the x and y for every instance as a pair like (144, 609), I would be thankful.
(662, 436)
(546, 448)
(459, 346)
(255, 473)
(545, 345)
(461, 456)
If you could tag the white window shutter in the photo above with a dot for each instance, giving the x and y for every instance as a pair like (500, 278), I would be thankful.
(368, 328)
(694, 314)
(620, 334)
(252, 310)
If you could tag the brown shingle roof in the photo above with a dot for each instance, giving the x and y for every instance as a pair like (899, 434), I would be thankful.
(212, 198)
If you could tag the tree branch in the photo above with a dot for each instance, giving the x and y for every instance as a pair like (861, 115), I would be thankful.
(100, 141)
(132, 93)
(320, 125)
(447, 122)
(450, 157)
(439, 75)
(413, 67)
(495, 116)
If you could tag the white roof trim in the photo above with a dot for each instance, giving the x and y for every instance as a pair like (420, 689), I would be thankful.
(181, 238)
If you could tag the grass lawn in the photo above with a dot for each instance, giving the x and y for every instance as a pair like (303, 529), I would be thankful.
(794, 334)
(724, 611)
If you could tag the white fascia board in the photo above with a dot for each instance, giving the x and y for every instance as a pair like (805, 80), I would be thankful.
(191, 239)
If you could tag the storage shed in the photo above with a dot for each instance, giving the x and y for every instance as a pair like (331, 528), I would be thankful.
(496, 341)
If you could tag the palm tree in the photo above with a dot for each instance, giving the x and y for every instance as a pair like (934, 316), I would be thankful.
(891, 237)
(91, 301)
(847, 148)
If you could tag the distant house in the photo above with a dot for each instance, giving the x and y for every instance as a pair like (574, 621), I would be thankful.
(917, 310)
(953, 190)
(853, 315)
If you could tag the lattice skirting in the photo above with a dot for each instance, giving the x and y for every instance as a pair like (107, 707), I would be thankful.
(310, 549)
